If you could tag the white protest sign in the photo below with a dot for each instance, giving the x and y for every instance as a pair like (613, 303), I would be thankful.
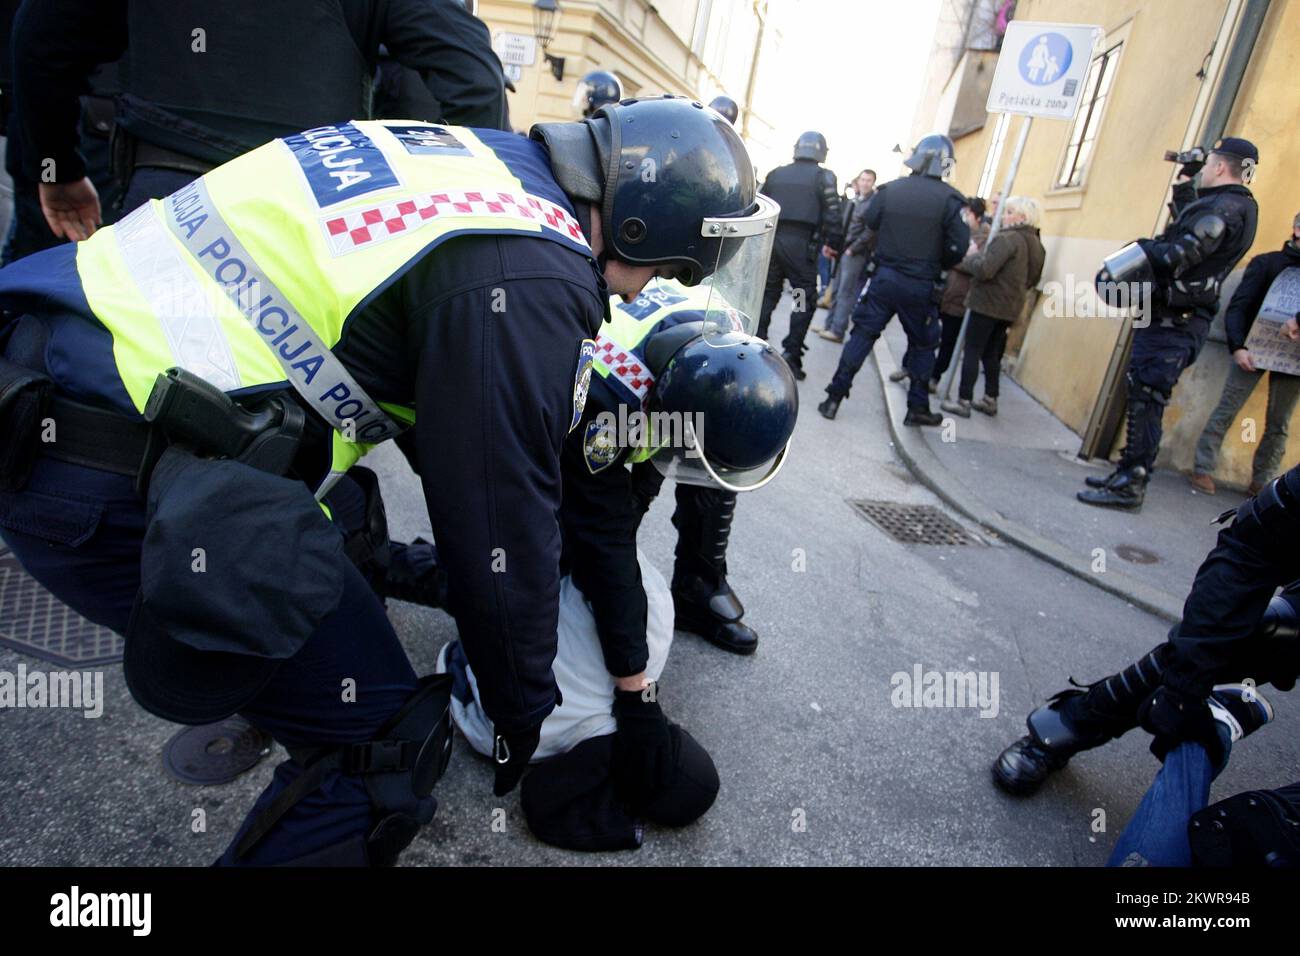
(1268, 345)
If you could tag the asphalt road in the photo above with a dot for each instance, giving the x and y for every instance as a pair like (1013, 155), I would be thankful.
(817, 765)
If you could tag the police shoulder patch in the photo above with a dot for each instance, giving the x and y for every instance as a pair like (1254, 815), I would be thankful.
(599, 446)
(582, 380)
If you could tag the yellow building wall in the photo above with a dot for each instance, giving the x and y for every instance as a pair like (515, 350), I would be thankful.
(1062, 360)
(648, 46)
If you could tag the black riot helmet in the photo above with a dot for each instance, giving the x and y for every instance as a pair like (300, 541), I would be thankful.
(734, 396)
(933, 156)
(672, 180)
(727, 107)
(596, 89)
(811, 145)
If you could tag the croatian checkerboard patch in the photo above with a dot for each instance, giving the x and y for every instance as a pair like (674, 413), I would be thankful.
(356, 229)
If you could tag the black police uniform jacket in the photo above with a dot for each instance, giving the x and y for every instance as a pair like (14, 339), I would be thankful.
(605, 497)
(918, 225)
(1194, 291)
(810, 204)
(260, 70)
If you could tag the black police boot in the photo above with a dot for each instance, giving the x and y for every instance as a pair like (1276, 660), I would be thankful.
(1127, 491)
(796, 366)
(1075, 720)
(703, 599)
(713, 614)
(829, 408)
(1102, 481)
(918, 416)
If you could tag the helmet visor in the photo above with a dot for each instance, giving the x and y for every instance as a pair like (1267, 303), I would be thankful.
(740, 271)
(684, 458)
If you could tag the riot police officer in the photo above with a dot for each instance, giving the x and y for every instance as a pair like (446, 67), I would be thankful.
(920, 233)
(598, 88)
(246, 340)
(1183, 270)
(671, 366)
(810, 216)
(1233, 628)
(203, 83)
(727, 107)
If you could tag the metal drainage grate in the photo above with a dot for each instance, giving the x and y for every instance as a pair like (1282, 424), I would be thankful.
(913, 524)
(35, 622)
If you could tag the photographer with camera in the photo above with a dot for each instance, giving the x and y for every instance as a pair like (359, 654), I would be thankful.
(1179, 273)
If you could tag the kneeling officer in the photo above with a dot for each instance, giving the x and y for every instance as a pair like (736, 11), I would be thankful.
(200, 368)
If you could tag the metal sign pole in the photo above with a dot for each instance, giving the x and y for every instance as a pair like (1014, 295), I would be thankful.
(955, 363)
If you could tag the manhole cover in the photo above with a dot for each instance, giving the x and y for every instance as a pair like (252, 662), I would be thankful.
(912, 524)
(1131, 552)
(215, 753)
(34, 621)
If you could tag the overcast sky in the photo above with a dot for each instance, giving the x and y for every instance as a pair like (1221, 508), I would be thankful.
(855, 69)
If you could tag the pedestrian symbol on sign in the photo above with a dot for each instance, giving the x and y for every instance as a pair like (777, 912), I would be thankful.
(1045, 58)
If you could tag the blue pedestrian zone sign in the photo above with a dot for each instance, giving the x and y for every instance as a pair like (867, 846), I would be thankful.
(1042, 68)
(1045, 58)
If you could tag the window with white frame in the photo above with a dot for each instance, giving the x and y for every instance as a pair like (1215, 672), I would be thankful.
(1083, 135)
(994, 156)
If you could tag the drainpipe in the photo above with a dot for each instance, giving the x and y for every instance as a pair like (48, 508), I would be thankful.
(1234, 70)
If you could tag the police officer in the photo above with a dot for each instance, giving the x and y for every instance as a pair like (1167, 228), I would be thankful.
(659, 372)
(920, 233)
(810, 216)
(1233, 628)
(596, 89)
(243, 342)
(670, 366)
(727, 107)
(203, 83)
(1184, 268)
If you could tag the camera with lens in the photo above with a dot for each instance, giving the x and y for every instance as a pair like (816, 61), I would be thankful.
(1193, 155)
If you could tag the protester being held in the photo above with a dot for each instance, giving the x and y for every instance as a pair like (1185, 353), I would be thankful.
(1158, 834)
(952, 307)
(859, 243)
(574, 796)
(1001, 276)
(1243, 376)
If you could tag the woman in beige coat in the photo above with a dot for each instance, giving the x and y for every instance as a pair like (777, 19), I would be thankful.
(1001, 276)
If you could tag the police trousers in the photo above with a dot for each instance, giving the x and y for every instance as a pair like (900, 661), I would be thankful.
(892, 293)
(78, 531)
(1159, 355)
(793, 259)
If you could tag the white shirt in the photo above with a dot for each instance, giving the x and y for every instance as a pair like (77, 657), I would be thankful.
(587, 688)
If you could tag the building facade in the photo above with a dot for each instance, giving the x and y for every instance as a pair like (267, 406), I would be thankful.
(700, 48)
(1165, 76)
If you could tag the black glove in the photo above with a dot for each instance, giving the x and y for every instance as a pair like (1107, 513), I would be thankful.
(643, 746)
(1173, 717)
(511, 753)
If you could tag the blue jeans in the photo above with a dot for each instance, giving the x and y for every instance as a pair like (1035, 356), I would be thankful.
(892, 293)
(848, 286)
(1157, 834)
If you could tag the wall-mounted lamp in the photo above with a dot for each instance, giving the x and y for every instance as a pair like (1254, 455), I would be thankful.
(546, 16)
